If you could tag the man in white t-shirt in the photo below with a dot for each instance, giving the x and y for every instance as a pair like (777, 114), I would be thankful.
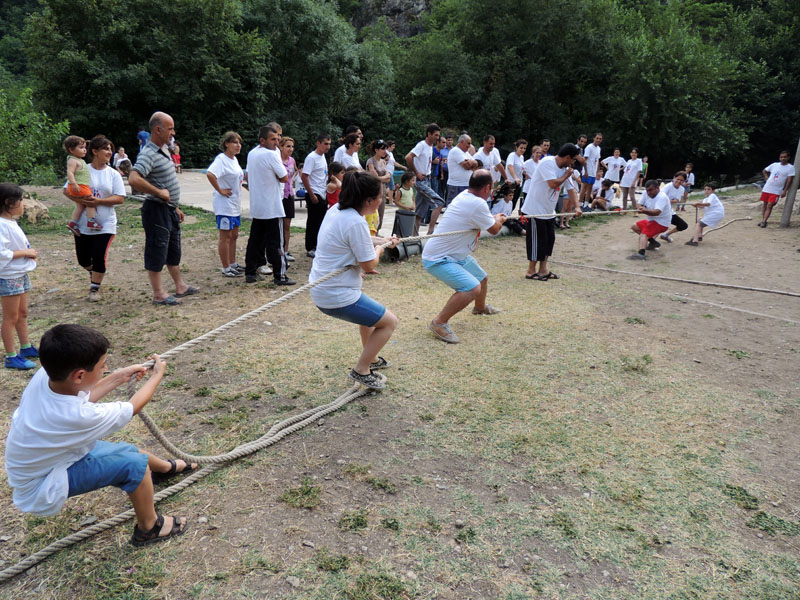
(655, 204)
(614, 164)
(778, 178)
(591, 155)
(315, 180)
(266, 176)
(419, 159)
(630, 175)
(490, 157)
(461, 165)
(449, 258)
(551, 174)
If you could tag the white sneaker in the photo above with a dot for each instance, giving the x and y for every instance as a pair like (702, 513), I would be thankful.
(94, 296)
(289, 257)
(231, 272)
(265, 270)
(237, 267)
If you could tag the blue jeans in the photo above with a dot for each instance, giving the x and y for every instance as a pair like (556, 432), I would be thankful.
(117, 464)
(364, 311)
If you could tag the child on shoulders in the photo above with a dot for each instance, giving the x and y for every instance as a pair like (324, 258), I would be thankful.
(17, 259)
(79, 184)
(55, 449)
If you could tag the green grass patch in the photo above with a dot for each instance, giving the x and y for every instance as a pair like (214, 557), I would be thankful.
(356, 469)
(636, 364)
(738, 354)
(332, 563)
(467, 535)
(741, 496)
(772, 524)
(391, 524)
(354, 520)
(634, 321)
(377, 586)
(382, 484)
(305, 496)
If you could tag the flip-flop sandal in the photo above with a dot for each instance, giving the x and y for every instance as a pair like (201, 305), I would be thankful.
(142, 538)
(550, 275)
(173, 471)
(190, 291)
(536, 277)
(168, 301)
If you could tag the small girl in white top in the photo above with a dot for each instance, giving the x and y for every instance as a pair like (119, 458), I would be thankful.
(17, 259)
(712, 215)
(344, 241)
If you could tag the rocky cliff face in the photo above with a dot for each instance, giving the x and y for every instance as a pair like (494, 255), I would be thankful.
(401, 15)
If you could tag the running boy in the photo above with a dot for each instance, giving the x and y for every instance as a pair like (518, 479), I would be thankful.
(54, 448)
(778, 178)
(79, 184)
(712, 215)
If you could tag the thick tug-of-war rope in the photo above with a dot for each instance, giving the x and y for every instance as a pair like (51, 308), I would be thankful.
(276, 432)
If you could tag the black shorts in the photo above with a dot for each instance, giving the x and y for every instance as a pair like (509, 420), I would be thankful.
(679, 223)
(162, 230)
(540, 237)
(288, 207)
(92, 251)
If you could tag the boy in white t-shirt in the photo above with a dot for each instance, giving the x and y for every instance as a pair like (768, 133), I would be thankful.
(591, 155)
(712, 215)
(55, 449)
(778, 178)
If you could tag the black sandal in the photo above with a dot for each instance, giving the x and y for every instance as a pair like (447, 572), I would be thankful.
(550, 275)
(142, 538)
(173, 471)
(535, 277)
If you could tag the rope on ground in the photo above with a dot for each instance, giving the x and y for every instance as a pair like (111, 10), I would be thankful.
(707, 231)
(741, 310)
(275, 434)
(681, 280)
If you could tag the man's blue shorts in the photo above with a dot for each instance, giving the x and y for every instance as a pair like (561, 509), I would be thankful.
(364, 311)
(587, 179)
(227, 223)
(118, 464)
(461, 275)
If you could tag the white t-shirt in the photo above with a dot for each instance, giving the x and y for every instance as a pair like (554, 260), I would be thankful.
(660, 202)
(690, 179)
(501, 206)
(104, 183)
(458, 175)
(592, 155)
(541, 198)
(229, 176)
(633, 169)
(423, 154)
(529, 168)
(316, 167)
(516, 161)
(343, 240)
(49, 432)
(264, 167)
(351, 161)
(714, 212)
(466, 211)
(490, 161)
(12, 238)
(390, 162)
(340, 151)
(778, 174)
(675, 194)
(613, 166)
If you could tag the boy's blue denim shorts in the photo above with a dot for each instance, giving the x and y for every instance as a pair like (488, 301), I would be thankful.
(364, 311)
(461, 275)
(16, 286)
(109, 463)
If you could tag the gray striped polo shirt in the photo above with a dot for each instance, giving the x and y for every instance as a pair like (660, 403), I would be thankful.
(157, 168)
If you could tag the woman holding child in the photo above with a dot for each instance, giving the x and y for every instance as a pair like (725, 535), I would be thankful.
(108, 191)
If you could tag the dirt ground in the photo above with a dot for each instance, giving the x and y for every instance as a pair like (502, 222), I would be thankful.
(424, 455)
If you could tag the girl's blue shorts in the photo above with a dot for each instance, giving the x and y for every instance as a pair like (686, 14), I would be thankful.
(364, 311)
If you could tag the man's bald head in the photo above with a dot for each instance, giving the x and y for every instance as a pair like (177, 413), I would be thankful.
(480, 183)
(162, 128)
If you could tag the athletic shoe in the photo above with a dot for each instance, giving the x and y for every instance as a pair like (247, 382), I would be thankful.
(285, 281)
(17, 362)
(30, 352)
(381, 363)
(93, 225)
(253, 278)
(443, 332)
(231, 272)
(289, 257)
(265, 270)
(311, 253)
(637, 256)
(94, 296)
(372, 380)
(692, 243)
(487, 310)
(653, 245)
(665, 237)
(237, 267)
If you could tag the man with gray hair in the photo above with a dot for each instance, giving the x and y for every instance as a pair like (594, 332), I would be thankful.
(460, 164)
(154, 175)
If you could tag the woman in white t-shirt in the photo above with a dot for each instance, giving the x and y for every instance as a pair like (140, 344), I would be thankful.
(225, 176)
(713, 213)
(108, 191)
(344, 241)
(352, 144)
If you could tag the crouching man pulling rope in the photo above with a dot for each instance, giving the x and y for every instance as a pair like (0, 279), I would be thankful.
(449, 258)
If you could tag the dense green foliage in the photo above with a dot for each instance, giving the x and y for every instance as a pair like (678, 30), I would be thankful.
(714, 82)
